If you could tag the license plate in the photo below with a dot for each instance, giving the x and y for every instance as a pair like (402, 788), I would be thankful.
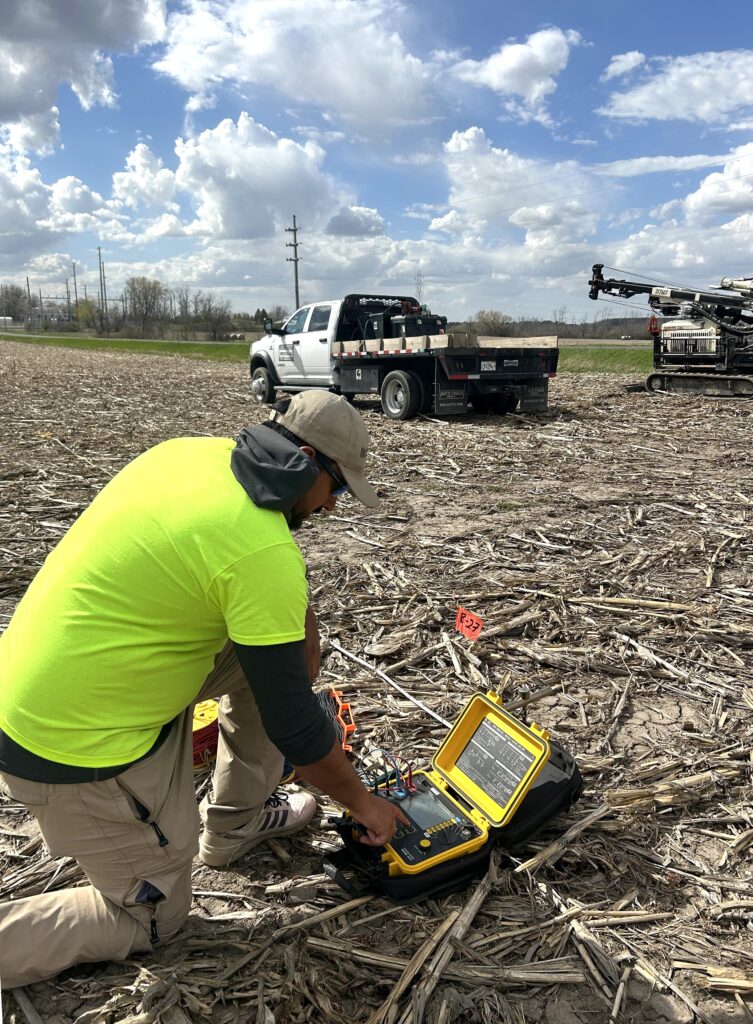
(488, 364)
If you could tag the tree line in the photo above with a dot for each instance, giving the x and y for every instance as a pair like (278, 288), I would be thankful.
(493, 323)
(146, 308)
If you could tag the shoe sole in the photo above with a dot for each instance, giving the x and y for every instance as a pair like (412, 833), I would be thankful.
(215, 858)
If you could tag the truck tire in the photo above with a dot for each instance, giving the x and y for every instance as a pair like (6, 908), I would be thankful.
(400, 395)
(262, 387)
(426, 405)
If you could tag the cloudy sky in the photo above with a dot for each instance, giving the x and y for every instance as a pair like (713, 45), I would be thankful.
(500, 148)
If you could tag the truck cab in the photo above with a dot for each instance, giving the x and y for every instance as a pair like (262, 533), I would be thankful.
(298, 353)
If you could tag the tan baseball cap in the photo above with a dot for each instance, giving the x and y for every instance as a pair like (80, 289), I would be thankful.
(331, 425)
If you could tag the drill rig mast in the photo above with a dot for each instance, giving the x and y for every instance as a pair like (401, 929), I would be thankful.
(704, 342)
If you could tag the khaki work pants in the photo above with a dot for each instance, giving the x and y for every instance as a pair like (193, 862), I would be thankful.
(134, 837)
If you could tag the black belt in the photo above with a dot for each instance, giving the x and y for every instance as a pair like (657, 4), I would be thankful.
(17, 760)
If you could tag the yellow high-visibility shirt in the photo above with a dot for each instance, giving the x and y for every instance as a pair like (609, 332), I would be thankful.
(118, 631)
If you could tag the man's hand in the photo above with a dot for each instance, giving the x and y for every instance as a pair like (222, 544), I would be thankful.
(378, 817)
(312, 646)
(336, 776)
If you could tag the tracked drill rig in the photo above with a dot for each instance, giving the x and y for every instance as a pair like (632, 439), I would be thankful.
(703, 343)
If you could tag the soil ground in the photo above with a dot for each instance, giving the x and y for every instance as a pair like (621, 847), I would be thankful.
(608, 543)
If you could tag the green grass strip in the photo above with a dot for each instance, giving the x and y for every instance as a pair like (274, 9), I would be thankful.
(222, 351)
(605, 359)
(578, 359)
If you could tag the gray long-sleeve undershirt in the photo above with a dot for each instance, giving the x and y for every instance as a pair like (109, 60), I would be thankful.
(292, 716)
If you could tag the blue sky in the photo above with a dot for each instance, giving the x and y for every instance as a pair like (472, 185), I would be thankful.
(500, 149)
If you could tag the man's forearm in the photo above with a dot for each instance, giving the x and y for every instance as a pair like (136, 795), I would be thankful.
(335, 776)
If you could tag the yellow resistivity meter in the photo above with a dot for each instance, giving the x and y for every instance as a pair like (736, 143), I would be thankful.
(482, 771)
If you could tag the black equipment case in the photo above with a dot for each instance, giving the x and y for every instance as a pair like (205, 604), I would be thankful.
(462, 808)
(414, 326)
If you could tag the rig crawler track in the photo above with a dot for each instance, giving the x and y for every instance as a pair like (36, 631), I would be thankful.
(712, 384)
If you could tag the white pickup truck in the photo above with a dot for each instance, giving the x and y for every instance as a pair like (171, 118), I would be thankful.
(392, 347)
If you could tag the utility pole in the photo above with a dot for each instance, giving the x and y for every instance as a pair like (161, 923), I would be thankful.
(104, 291)
(68, 297)
(28, 294)
(101, 296)
(41, 309)
(75, 288)
(294, 258)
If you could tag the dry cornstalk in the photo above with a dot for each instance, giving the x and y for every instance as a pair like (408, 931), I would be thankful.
(674, 793)
(412, 968)
(558, 847)
(446, 951)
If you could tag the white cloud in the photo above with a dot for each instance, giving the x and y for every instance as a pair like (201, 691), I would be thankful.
(246, 181)
(626, 216)
(36, 133)
(71, 196)
(47, 43)
(729, 191)
(418, 159)
(489, 185)
(166, 225)
(706, 87)
(356, 221)
(345, 56)
(24, 201)
(656, 164)
(526, 70)
(51, 266)
(145, 181)
(453, 223)
(447, 56)
(623, 63)
(323, 136)
(422, 211)
(554, 226)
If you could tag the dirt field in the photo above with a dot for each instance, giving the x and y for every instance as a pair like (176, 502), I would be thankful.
(608, 547)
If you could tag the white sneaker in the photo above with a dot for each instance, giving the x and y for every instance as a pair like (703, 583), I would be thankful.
(283, 813)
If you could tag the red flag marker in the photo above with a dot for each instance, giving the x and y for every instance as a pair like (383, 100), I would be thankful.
(468, 624)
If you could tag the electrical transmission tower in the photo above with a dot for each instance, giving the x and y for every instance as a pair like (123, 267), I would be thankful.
(294, 258)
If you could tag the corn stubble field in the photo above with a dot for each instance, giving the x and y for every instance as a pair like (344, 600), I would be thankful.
(608, 546)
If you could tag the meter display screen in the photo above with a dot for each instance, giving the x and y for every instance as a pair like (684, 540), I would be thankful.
(495, 762)
(427, 810)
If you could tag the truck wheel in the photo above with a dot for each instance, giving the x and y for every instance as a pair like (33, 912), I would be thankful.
(262, 388)
(400, 395)
(426, 405)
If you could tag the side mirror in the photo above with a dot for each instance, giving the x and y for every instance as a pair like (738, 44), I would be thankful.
(268, 325)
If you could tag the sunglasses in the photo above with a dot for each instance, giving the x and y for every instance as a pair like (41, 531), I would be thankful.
(341, 485)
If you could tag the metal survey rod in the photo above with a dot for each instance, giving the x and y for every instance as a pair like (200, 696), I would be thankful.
(393, 684)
